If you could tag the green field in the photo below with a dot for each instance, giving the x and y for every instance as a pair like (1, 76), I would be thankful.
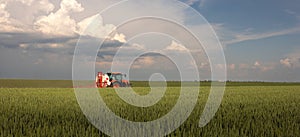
(253, 110)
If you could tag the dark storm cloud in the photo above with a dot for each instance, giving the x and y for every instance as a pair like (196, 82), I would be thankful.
(41, 42)
(108, 47)
(88, 41)
(152, 54)
(13, 40)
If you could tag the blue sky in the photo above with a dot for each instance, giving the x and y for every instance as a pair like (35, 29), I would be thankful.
(38, 37)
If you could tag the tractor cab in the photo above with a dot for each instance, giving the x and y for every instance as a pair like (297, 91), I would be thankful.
(111, 79)
(115, 76)
(117, 79)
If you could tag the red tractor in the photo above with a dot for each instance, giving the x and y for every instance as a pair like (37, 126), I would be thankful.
(112, 79)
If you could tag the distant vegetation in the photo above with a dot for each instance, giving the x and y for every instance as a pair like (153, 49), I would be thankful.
(19, 83)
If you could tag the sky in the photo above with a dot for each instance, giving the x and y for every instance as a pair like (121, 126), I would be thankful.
(260, 39)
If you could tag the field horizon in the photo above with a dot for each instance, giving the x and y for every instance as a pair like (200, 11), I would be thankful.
(39, 83)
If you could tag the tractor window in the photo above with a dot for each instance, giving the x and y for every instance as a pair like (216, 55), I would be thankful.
(118, 77)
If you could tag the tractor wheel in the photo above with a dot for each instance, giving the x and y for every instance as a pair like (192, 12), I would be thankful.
(126, 84)
(116, 85)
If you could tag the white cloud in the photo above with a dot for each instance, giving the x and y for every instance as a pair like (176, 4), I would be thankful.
(4, 15)
(6, 23)
(24, 46)
(56, 25)
(44, 5)
(119, 37)
(137, 46)
(263, 67)
(27, 2)
(93, 26)
(257, 64)
(286, 62)
(174, 46)
(241, 37)
(292, 13)
(49, 45)
(36, 5)
(60, 22)
(67, 6)
(191, 2)
(203, 65)
(289, 11)
(292, 60)
(12, 18)
(231, 66)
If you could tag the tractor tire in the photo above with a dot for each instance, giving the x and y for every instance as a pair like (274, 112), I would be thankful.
(116, 85)
(126, 84)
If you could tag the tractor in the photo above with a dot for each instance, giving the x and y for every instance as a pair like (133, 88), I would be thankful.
(111, 79)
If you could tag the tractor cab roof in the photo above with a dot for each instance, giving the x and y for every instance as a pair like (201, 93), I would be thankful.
(114, 73)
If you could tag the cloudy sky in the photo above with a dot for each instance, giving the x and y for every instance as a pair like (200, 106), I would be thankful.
(38, 38)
